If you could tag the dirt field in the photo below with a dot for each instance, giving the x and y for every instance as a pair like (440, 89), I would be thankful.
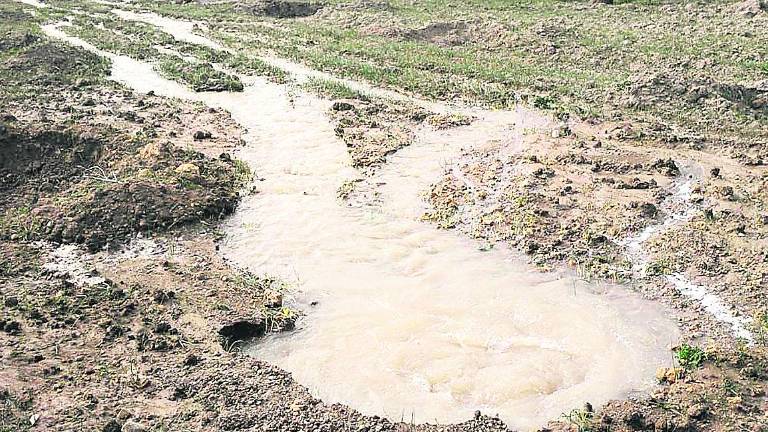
(119, 314)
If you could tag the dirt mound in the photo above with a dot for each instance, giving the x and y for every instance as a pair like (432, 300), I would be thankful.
(284, 9)
(448, 34)
(50, 63)
(96, 189)
(372, 130)
(13, 40)
(370, 5)
(51, 155)
(752, 8)
(442, 33)
(650, 90)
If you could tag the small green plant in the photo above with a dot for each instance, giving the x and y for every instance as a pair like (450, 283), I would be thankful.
(19, 223)
(280, 318)
(665, 405)
(761, 328)
(690, 357)
(580, 418)
(232, 346)
(544, 102)
(188, 184)
(731, 387)
(661, 266)
(243, 171)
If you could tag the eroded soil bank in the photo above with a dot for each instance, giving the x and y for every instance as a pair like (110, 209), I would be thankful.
(147, 336)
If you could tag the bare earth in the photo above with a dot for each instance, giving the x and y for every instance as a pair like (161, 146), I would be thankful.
(118, 314)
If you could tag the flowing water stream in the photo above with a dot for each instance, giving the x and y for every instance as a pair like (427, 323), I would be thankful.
(403, 319)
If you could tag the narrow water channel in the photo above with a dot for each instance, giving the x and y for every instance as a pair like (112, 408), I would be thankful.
(408, 320)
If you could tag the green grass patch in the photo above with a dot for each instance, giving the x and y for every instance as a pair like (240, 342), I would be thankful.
(242, 171)
(690, 357)
(333, 89)
(198, 76)
(129, 38)
(30, 62)
(19, 224)
(579, 419)
(253, 66)
(566, 57)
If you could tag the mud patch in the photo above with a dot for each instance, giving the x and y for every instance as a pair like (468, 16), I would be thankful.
(135, 332)
(666, 89)
(95, 188)
(53, 64)
(284, 8)
(727, 389)
(372, 130)
(443, 34)
(537, 201)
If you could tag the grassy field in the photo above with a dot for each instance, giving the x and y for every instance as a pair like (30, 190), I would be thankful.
(679, 72)
(684, 71)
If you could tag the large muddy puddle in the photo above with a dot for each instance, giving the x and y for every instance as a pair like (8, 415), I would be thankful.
(402, 319)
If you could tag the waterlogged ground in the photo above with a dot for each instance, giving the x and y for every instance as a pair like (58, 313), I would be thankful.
(592, 258)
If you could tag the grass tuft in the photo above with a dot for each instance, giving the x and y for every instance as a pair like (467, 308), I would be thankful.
(333, 89)
(581, 419)
(199, 76)
(690, 357)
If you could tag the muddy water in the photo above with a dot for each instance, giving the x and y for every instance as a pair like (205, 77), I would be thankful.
(414, 321)
(406, 320)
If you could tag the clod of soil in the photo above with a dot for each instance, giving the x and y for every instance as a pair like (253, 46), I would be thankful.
(52, 64)
(372, 130)
(752, 8)
(94, 188)
(242, 330)
(441, 33)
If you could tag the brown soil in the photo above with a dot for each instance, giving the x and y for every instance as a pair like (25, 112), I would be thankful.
(372, 130)
(147, 337)
(576, 196)
(283, 8)
(85, 188)
(567, 199)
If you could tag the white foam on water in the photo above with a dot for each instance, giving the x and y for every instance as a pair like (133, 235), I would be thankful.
(679, 209)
